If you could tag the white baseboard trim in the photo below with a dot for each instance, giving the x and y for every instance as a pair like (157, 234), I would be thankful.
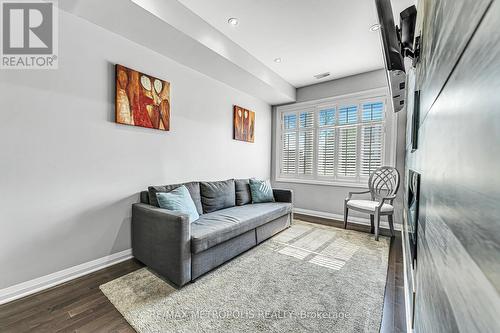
(32, 286)
(339, 217)
(408, 297)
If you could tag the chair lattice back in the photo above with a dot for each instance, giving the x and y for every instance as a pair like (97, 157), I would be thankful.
(384, 181)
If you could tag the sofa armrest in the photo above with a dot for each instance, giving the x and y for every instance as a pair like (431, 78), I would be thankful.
(282, 195)
(161, 239)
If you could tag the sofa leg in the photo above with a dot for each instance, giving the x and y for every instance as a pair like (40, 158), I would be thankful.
(372, 224)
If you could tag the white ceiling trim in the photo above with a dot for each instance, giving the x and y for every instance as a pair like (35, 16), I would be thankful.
(200, 46)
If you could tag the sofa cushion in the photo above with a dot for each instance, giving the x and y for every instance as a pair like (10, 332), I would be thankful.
(144, 197)
(261, 191)
(243, 194)
(369, 205)
(217, 195)
(178, 200)
(193, 188)
(217, 227)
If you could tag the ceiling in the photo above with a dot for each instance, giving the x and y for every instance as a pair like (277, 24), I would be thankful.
(311, 37)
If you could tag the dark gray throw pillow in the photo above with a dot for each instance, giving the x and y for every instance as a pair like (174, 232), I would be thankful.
(193, 188)
(217, 195)
(243, 194)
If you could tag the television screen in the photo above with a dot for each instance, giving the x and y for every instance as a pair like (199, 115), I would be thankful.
(388, 34)
(392, 57)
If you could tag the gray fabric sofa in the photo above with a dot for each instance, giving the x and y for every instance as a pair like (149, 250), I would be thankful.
(229, 224)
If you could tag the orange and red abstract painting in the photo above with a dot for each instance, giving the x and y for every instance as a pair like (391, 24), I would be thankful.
(244, 124)
(142, 100)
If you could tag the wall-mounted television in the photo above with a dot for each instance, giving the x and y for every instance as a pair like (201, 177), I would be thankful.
(394, 49)
(392, 55)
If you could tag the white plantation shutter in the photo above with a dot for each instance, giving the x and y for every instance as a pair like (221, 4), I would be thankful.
(306, 119)
(289, 147)
(306, 145)
(373, 111)
(290, 121)
(327, 116)
(326, 141)
(347, 151)
(372, 137)
(306, 152)
(289, 154)
(326, 152)
(329, 142)
(371, 148)
(348, 115)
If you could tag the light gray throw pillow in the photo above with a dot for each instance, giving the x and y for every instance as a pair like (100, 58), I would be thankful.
(261, 191)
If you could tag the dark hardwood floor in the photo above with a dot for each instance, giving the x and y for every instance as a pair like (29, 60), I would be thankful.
(394, 317)
(79, 305)
(75, 306)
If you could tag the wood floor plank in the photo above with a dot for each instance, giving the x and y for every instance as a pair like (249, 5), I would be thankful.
(99, 322)
(66, 293)
(54, 305)
(88, 316)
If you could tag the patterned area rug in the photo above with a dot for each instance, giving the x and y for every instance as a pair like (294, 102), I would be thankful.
(308, 278)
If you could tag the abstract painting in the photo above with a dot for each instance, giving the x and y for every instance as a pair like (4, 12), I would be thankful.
(244, 124)
(141, 99)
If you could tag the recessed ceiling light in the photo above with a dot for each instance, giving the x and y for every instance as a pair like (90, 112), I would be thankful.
(233, 21)
(278, 60)
(375, 27)
(322, 75)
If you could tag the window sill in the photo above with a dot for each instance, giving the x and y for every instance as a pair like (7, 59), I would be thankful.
(322, 182)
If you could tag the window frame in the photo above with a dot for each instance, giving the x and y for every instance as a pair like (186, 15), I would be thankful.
(357, 99)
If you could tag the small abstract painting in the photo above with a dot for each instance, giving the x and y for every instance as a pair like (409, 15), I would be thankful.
(244, 124)
(141, 99)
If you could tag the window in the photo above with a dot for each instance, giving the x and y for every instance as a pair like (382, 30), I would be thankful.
(334, 141)
(326, 142)
(306, 144)
(289, 148)
(372, 135)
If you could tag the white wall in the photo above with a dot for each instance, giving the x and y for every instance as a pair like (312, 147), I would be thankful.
(69, 174)
(328, 200)
(347, 85)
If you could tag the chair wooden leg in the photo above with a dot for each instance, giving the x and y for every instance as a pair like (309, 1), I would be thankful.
(391, 224)
(377, 223)
(346, 211)
(372, 226)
